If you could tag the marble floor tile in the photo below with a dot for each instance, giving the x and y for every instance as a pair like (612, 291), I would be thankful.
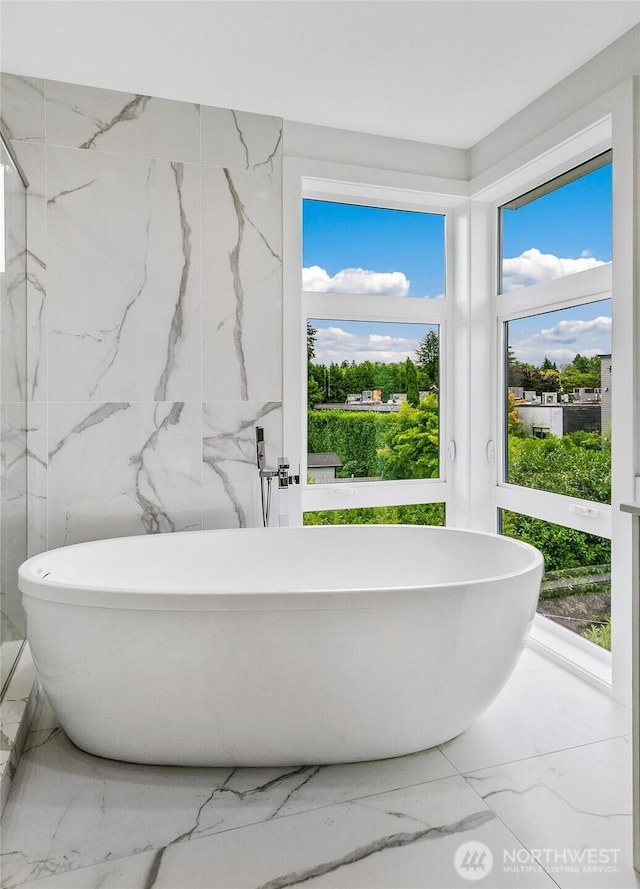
(371, 844)
(572, 809)
(542, 708)
(75, 821)
(406, 838)
(125, 873)
(71, 810)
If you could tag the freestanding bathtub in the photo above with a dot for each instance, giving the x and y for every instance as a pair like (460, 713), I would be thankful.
(273, 647)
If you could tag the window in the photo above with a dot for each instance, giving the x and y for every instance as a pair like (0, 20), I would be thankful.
(561, 227)
(374, 313)
(555, 320)
(373, 398)
(376, 251)
(576, 587)
(553, 378)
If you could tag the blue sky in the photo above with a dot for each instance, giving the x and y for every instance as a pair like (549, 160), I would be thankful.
(559, 336)
(367, 341)
(345, 236)
(573, 221)
(394, 253)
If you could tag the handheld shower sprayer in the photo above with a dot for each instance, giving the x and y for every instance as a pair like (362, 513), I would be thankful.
(266, 476)
(260, 455)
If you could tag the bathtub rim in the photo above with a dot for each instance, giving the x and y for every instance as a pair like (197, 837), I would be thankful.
(34, 586)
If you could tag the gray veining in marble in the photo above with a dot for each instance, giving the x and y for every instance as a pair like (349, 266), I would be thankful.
(123, 290)
(153, 276)
(22, 107)
(200, 822)
(123, 468)
(575, 799)
(242, 286)
(33, 161)
(241, 141)
(76, 821)
(37, 466)
(13, 288)
(13, 516)
(231, 489)
(122, 123)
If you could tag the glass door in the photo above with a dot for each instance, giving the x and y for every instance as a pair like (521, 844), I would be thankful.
(13, 407)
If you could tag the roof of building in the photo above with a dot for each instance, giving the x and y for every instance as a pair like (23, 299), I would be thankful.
(329, 459)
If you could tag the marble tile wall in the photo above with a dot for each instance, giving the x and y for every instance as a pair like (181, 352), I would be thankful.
(13, 408)
(154, 309)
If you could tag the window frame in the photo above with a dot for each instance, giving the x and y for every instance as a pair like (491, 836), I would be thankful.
(474, 390)
(569, 291)
(573, 512)
(387, 190)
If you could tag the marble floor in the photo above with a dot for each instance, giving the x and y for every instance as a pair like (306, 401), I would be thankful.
(536, 794)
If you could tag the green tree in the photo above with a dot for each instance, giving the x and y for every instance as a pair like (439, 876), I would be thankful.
(336, 388)
(428, 354)
(311, 341)
(582, 373)
(581, 363)
(411, 448)
(577, 465)
(315, 393)
(515, 426)
(562, 547)
(413, 394)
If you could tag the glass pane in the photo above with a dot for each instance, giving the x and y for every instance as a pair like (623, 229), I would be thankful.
(13, 415)
(369, 250)
(563, 231)
(412, 514)
(559, 402)
(576, 587)
(373, 406)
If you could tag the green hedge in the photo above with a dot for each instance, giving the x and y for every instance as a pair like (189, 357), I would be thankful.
(412, 514)
(356, 437)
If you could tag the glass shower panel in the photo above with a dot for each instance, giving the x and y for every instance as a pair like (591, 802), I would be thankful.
(13, 410)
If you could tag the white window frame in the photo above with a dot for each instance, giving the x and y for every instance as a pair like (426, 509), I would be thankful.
(570, 291)
(607, 123)
(354, 185)
(472, 417)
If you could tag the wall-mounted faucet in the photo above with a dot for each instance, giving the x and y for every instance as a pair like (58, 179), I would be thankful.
(267, 474)
(284, 479)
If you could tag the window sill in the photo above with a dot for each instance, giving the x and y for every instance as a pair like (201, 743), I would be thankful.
(575, 654)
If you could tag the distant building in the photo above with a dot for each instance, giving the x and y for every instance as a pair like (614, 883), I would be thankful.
(551, 413)
(541, 420)
(371, 400)
(323, 466)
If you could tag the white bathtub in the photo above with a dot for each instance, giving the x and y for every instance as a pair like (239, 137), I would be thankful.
(277, 647)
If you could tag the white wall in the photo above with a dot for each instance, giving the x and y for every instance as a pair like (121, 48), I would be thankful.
(609, 68)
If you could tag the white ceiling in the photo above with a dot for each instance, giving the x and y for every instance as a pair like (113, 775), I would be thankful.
(446, 73)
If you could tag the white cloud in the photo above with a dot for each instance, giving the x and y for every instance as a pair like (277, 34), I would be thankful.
(355, 281)
(562, 342)
(532, 267)
(333, 344)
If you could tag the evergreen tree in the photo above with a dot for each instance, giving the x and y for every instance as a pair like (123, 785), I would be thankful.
(311, 341)
(413, 395)
(428, 354)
